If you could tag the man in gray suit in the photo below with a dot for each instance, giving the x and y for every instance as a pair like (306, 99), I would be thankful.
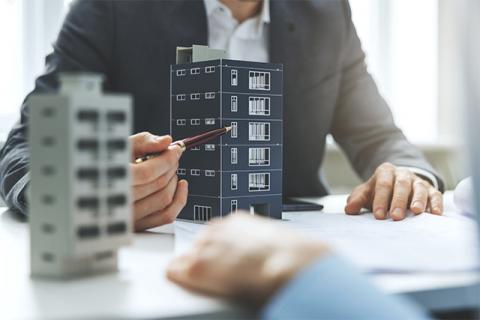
(327, 91)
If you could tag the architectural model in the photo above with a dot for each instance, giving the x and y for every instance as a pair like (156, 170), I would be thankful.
(240, 170)
(79, 200)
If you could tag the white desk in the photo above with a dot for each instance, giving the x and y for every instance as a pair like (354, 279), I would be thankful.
(140, 290)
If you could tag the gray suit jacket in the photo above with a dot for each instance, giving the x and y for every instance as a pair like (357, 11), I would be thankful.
(327, 88)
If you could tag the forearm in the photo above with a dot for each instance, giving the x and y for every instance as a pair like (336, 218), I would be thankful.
(331, 289)
(14, 175)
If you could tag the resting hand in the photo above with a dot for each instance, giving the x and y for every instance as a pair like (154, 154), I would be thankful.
(395, 190)
(157, 194)
(243, 258)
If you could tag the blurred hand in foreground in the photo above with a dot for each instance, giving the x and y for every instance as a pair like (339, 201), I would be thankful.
(244, 258)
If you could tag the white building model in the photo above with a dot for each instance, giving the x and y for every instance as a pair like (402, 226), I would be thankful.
(79, 197)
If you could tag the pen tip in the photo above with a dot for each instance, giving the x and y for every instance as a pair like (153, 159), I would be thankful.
(228, 128)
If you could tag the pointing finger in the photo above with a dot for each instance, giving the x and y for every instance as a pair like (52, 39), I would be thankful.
(383, 192)
(420, 196)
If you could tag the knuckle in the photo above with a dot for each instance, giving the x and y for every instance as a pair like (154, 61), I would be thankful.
(403, 182)
(142, 174)
(437, 194)
(420, 183)
(161, 182)
(144, 135)
(383, 184)
(399, 201)
(166, 198)
(168, 219)
(386, 166)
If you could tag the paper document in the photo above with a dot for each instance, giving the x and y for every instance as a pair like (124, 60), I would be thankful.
(422, 243)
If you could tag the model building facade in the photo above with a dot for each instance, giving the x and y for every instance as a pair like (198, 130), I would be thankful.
(79, 201)
(242, 169)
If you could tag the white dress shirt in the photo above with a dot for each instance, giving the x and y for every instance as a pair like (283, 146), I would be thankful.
(242, 41)
(248, 41)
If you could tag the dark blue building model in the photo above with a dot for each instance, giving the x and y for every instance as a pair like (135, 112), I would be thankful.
(242, 169)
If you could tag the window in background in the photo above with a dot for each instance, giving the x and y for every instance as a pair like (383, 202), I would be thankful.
(400, 39)
(27, 31)
(11, 63)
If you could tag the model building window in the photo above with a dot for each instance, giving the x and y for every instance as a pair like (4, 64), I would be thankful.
(209, 147)
(258, 156)
(210, 69)
(234, 103)
(181, 72)
(234, 155)
(202, 213)
(233, 206)
(234, 132)
(181, 97)
(195, 71)
(195, 172)
(210, 173)
(195, 122)
(234, 77)
(259, 106)
(259, 131)
(181, 172)
(258, 182)
(210, 95)
(195, 96)
(258, 80)
(210, 121)
(181, 122)
(234, 181)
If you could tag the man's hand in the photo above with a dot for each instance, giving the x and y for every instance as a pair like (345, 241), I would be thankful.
(157, 194)
(244, 258)
(394, 190)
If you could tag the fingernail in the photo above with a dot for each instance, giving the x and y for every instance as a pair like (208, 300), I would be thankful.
(397, 213)
(379, 213)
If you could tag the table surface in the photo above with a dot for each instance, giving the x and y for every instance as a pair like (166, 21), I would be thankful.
(139, 289)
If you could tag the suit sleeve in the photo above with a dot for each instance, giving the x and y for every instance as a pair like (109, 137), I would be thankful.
(331, 289)
(363, 125)
(85, 43)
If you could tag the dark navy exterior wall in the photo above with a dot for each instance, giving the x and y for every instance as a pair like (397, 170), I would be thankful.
(190, 83)
(188, 117)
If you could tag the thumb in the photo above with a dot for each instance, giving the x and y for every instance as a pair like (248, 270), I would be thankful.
(145, 142)
(358, 199)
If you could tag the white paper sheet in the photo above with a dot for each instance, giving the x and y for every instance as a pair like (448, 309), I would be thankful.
(422, 243)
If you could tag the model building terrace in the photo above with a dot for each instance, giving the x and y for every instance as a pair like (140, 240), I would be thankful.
(240, 170)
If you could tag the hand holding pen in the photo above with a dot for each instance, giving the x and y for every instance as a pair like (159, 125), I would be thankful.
(158, 196)
(190, 142)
